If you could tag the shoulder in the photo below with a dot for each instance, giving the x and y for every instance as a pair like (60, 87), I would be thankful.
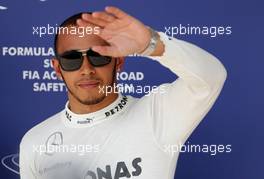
(35, 133)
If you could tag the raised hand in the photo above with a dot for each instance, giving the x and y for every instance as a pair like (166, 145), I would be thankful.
(125, 34)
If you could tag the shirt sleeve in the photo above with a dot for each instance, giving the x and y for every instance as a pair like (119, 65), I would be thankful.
(25, 165)
(177, 108)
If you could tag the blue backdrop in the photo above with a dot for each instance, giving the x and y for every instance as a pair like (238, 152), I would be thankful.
(236, 118)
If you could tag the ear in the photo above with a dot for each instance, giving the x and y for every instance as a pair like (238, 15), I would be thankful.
(56, 67)
(119, 63)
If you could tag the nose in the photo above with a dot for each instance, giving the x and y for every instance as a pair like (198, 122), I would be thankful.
(87, 68)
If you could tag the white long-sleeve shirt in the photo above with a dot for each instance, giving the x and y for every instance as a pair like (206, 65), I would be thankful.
(130, 137)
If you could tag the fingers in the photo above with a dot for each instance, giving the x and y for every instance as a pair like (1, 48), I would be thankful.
(98, 18)
(104, 16)
(116, 11)
(88, 18)
(103, 33)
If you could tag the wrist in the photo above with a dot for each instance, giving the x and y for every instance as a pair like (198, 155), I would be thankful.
(147, 43)
(160, 48)
(155, 46)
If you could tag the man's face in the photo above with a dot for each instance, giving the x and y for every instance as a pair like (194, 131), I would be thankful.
(83, 84)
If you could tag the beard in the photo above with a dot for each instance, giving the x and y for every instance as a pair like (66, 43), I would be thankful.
(92, 100)
(89, 100)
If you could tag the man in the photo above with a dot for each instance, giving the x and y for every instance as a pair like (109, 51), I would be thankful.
(126, 137)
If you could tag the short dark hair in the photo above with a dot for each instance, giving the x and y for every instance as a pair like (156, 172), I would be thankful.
(67, 22)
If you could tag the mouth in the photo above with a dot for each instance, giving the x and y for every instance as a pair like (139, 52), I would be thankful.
(88, 84)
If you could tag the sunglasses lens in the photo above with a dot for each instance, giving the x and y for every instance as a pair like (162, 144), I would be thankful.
(71, 61)
(97, 60)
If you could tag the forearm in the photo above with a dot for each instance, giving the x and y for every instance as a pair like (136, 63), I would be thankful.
(199, 69)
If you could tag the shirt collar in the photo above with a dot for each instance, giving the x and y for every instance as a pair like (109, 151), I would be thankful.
(72, 119)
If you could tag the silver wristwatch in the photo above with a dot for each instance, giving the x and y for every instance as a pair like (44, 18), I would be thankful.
(152, 43)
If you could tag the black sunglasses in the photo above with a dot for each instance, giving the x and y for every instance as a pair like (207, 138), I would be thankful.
(72, 60)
